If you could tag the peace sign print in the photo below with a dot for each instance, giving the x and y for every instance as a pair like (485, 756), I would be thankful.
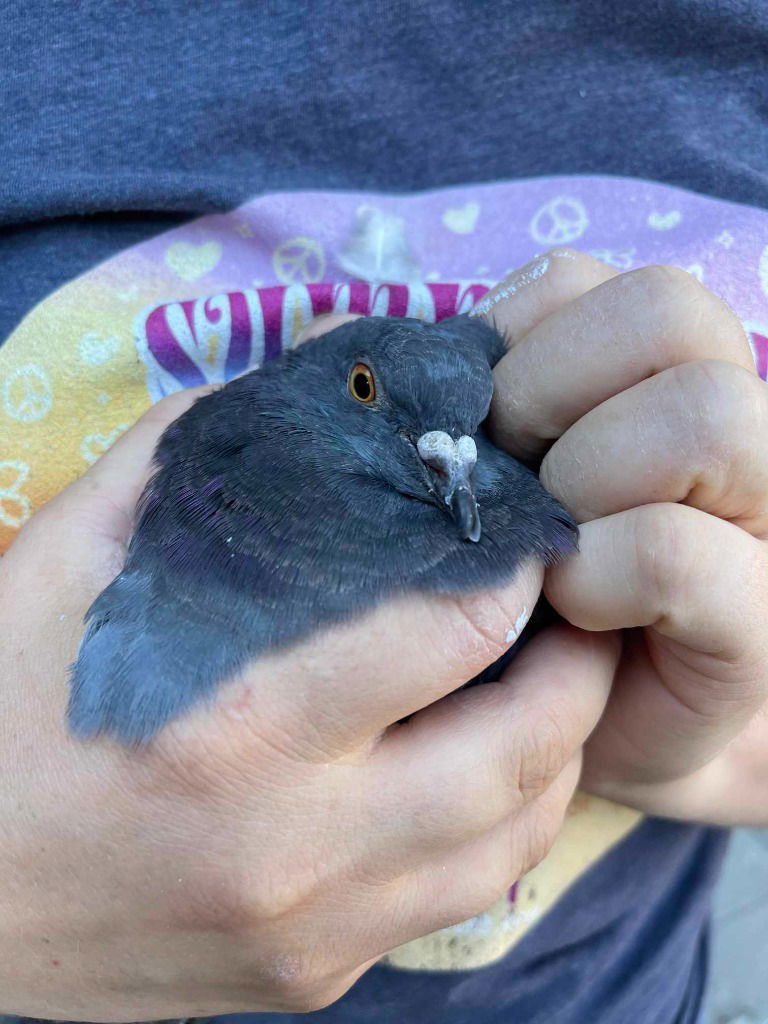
(560, 221)
(94, 445)
(299, 260)
(15, 507)
(27, 394)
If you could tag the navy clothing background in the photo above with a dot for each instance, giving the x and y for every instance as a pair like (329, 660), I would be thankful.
(119, 118)
(626, 945)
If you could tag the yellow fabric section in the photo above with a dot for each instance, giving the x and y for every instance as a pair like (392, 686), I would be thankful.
(591, 827)
(70, 384)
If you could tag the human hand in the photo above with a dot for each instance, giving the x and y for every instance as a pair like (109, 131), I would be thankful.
(262, 853)
(642, 391)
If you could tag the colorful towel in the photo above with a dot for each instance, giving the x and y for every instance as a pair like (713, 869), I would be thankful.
(223, 293)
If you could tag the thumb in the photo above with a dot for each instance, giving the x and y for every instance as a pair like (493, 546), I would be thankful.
(120, 475)
(87, 526)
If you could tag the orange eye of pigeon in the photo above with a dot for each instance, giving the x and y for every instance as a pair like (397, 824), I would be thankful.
(361, 383)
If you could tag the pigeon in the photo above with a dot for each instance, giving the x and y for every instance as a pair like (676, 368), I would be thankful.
(350, 470)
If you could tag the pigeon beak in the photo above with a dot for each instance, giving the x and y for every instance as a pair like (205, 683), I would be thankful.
(451, 465)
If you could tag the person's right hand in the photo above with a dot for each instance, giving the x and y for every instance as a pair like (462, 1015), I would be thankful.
(262, 853)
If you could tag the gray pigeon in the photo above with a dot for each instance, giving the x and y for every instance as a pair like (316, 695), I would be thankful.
(349, 470)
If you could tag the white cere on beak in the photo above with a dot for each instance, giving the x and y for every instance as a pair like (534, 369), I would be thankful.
(466, 451)
(454, 458)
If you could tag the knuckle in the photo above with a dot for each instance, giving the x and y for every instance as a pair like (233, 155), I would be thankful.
(237, 899)
(729, 404)
(473, 797)
(283, 884)
(225, 907)
(686, 312)
(264, 901)
(299, 980)
(543, 754)
(668, 284)
(678, 299)
(665, 552)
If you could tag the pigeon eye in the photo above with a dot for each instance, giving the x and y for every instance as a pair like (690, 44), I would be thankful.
(361, 383)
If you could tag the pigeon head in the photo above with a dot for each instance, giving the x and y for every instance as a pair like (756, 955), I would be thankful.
(407, 399)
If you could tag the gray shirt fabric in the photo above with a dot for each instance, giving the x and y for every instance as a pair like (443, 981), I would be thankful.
(118, 118)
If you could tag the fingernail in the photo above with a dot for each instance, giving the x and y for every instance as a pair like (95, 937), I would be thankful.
(517, 629)
(525, 275)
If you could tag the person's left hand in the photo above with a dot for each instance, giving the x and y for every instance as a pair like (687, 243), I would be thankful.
(642, 391)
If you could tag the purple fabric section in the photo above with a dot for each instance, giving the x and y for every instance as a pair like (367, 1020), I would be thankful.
(240, 346)
(168, 352)
(480, 232)
(290, 257)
